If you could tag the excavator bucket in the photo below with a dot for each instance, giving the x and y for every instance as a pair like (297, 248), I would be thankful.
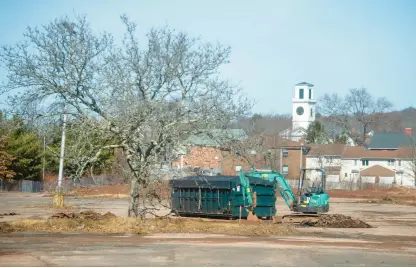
(252, 217)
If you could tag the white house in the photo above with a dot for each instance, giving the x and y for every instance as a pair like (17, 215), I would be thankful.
(406, 166)
(350, 163)
(328, 156)
(373, 166)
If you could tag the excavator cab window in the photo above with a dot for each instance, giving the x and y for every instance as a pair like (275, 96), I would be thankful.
(311, 187)
(317, 187)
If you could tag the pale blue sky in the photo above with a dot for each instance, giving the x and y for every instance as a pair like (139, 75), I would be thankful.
(334, 45)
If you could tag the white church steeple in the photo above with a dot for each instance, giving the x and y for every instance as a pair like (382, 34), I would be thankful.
(303, 106)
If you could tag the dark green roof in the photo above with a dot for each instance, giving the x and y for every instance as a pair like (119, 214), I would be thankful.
(391, 140)
(216, 137)
(304, 84)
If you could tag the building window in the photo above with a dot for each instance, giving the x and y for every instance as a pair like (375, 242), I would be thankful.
(390, 162)
(346, 175)
(301, 93)
(310, 93)
(364, 162)
(311, 112)
(328, 160)
(400, 163)
(355, 162)
(285, 170)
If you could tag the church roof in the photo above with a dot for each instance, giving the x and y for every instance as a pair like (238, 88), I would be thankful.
(304, 84)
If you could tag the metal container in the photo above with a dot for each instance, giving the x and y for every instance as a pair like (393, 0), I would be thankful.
(221, 196)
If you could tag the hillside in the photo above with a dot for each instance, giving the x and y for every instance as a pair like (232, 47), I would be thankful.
(272, 124)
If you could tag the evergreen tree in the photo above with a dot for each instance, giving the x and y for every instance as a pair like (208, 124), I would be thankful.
(315, 134)
(26, 149)
(341, 138)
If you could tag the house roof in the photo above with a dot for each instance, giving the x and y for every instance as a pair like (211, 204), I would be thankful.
(377, 170)
(326, 149)
(406, 152)
(304, 84)
(216, 137)
(361, 152)
(275, 141)
(299, 132)
(390, 140)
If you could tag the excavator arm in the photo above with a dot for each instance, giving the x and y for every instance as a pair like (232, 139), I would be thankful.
(284, 189)
(281, 184)
(248, 197)
(246, 189)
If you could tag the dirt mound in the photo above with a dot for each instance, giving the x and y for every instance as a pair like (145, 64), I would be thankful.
(5, 227)
(335, 221)
(120, 225)
(85, 215)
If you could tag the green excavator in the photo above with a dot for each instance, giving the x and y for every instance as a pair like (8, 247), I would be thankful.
(309, 201)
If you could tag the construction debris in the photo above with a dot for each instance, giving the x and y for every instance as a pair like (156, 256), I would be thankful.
(335, 221)
(9, 214)
(85, 215)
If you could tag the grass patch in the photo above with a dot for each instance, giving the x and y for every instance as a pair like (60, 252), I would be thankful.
(150, 226)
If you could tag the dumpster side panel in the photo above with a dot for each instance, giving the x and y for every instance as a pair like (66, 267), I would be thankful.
(266, 200)
(265, 203)
(220, 196)
(196, 196)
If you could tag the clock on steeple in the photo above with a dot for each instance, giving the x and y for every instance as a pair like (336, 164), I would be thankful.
(303, 106)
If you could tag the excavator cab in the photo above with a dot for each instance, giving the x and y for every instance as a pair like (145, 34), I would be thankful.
(312, 197)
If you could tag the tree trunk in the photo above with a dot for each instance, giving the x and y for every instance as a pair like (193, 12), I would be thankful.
(134, 199)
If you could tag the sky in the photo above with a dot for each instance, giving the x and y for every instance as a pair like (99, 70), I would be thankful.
(335, 45)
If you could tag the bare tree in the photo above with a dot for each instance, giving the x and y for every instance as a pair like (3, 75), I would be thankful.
(84, 150)
(148, 98)
(358, 110)
(411, 163)
(327, 157)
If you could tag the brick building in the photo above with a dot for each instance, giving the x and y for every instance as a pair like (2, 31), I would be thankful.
(288, 156)
(262, 152)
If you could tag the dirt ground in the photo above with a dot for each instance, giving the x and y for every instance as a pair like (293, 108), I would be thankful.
(391, 243)
(397, 192)
(398, 195)
(394, 195)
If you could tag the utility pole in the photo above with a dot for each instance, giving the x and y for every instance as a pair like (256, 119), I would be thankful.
(61, 160)
(44, 151)
(59, 198)
(301, 157)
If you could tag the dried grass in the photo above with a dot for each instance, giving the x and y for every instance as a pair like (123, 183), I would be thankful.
(137, 226)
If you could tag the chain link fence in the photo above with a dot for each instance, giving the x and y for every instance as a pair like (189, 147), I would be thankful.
(27, 186)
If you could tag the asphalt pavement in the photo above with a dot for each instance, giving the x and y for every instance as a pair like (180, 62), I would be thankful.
(40, 249)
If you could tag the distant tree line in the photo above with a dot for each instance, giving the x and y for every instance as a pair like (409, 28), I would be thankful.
(23, 154)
